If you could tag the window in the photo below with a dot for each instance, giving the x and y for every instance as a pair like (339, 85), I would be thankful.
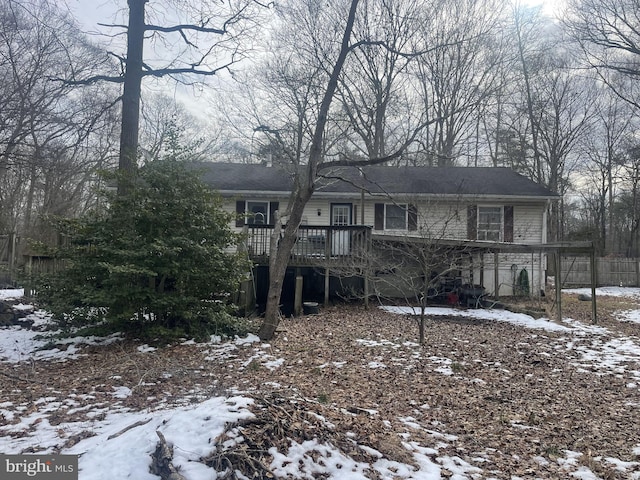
(257, 213)
(391, 216)
(340, 214)
(395, 217)
(490, 223)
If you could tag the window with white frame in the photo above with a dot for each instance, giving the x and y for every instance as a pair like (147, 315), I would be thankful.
(395, 217)
(257, 212)
(490, 223)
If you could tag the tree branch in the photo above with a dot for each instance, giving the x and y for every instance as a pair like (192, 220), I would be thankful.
(112, 25)
(90, 80)
(181, 28)
(348, 162)
(381, 43)
(161, 72)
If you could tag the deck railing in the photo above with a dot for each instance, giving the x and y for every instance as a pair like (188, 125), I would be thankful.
(315, 245)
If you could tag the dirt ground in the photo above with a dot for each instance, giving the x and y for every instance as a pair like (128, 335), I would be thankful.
(513, 397)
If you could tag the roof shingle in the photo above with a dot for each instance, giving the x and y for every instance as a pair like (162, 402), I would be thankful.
(501, 181)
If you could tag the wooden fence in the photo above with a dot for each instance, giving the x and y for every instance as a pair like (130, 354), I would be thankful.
(8, 257)
(623, 272)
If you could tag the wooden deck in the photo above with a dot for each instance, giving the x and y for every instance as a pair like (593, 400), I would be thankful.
(316, 245)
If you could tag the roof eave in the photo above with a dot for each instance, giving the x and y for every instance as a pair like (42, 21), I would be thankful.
(357, 195)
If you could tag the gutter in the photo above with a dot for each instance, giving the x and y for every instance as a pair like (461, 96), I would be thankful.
(374, 196)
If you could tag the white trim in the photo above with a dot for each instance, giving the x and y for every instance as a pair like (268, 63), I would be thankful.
(511, 199)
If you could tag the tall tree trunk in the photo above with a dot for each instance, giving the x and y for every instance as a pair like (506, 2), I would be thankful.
(610, 237)
(529, 97)
(281, 245)
(282, 242)
(127, 162)
(30, 196)
(604, 242)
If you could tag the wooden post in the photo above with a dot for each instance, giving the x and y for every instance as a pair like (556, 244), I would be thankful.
(11, 251)
(533, 285)
(496, 275)
(28, 291)
(249, 288)
(297, 303)
(326, 287)
(367, 263)
(541, 275)
(366, 290)
(558, 285)
(594, 283)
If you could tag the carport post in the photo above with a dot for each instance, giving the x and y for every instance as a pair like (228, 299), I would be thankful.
(366, 290)
(297, 305)
(594, 282)
(326, 287)
(559, 285)
(496, 275)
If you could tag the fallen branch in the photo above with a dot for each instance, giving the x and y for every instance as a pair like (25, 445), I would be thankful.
(162, 457)
(21, 379)
(126, 429)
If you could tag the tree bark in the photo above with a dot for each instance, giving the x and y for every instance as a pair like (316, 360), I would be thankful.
(282, 242)
(127, 162)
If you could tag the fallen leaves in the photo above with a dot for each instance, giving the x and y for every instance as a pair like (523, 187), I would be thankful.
(506, 399)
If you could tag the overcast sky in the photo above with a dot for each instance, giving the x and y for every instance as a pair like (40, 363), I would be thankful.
(90, 13)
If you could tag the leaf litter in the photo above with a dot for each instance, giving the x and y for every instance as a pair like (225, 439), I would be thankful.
(349, 394)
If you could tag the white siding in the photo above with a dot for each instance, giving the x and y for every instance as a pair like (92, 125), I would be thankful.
(315, 205)
(535, 264)
(435, 219)
(527, 223)
(442, 220)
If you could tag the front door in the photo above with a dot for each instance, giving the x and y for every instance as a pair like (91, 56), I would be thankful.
(340, 239)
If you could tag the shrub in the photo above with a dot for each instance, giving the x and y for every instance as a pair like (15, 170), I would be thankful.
(156, 260)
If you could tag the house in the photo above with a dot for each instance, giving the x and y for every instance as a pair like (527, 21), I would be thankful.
(481, 213)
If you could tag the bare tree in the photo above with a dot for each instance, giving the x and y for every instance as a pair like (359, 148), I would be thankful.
(418, 269)
(628, 205)
(374, 90)
(531, 51)
(463, 72)
(609, 34)
(167, 127)
(46, 128)
(550, 110)
(310, 85)
(285, 232)
(604, 146)
(563, 119)
(227, 22)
